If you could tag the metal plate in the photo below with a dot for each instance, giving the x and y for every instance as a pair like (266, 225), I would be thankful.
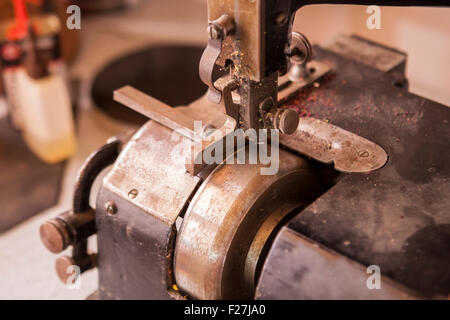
(327, 143)
(150, 189)
(134, 251)
(153, 164)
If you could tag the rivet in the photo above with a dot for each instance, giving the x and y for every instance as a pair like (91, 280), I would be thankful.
(133, 193)
(110, 207)
(363, 154)
(281, 19)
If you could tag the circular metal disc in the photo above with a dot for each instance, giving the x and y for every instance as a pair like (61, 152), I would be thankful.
(229, 222)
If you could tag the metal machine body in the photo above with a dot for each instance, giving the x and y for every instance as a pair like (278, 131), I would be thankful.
(367, 190)
(252, 39)
(396, 217)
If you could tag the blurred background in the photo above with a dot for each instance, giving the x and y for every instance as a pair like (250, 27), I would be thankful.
(155, 46)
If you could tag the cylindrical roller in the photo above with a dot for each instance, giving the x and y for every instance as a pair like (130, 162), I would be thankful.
(67, 229)
(229, 223)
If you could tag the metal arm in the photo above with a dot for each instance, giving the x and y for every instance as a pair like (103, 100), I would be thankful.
(251, 38)
(277, 36)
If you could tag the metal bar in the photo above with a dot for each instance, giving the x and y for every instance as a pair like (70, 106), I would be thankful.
(156, 110)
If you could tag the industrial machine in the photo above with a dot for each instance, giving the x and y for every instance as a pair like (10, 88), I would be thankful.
(300, 172)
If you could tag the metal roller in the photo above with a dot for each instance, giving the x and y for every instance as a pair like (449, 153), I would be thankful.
(228, 226)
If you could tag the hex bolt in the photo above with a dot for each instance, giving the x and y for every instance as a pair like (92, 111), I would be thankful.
(110, 207)
(220, 28)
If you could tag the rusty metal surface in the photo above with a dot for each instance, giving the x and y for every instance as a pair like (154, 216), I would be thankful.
(246, 53)
(227, 85)
(218, 247)
(327, 143)
(242, 53)
(301, 269)
(218, 30)
(397, 217)
(205, 111)
(153, 164)
(134, 251)
(147, 189)
(288, 88)
(196, 161)
(136, 247)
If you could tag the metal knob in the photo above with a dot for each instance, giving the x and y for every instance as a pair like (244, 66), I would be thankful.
(55, 236)
(67, 229)
(301, 54)
(286, 120)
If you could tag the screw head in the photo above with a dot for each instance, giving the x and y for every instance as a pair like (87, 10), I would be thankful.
(281, 19)
(110, 207)
(267, 104)
(214, 32)
(133, 193)
(363, 153)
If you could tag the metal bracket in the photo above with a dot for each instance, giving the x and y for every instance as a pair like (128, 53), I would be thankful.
(327, 143)
(217, 30)
(323, 141)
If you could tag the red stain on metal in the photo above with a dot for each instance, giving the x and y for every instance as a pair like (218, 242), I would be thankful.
(314, 102)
